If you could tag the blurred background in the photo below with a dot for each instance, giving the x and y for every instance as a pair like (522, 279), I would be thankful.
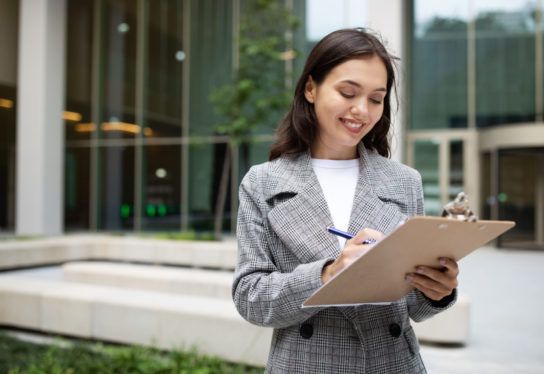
(107, 122)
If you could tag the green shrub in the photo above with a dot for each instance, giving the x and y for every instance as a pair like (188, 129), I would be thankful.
(20, 357)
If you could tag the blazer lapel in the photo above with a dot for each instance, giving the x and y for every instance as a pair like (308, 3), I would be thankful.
(301, 221)
(368, 209)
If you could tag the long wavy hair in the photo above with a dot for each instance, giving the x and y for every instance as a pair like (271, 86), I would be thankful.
(298, 129)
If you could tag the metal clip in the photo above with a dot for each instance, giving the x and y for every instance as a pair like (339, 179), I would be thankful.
(459, 209)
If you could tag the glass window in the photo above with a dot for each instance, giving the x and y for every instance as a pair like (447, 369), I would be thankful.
(486, 193)
(211, 60)
(120, 31)
(9, 27)
(79, 61)
(456, 178)
(161, 208)
(166, 55)
(439, 65)
(206, 166)
(252, 154)
(116, 185)
(427, 163)
(505, 62)
(324, 16)
(76, 188)
(518, 173)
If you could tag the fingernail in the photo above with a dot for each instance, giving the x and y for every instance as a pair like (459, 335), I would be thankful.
(420, 270)
(443, 261)
(409, 278)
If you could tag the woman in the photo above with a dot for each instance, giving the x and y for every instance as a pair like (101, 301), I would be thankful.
(329, 167)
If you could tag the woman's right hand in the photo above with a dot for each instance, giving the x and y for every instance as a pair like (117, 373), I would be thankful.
(351, 251)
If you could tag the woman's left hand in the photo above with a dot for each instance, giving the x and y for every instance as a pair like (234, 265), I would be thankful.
(435, 283)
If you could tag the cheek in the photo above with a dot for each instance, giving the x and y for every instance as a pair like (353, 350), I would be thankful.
(377, 115)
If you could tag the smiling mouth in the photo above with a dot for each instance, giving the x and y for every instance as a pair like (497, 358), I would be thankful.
(352, 123)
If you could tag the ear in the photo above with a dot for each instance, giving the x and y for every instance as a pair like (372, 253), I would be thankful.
(310, 90)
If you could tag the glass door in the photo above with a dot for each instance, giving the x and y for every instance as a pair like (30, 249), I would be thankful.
(518, 195)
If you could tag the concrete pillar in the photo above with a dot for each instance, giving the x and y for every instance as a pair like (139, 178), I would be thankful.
(40, 126)
(387, 18)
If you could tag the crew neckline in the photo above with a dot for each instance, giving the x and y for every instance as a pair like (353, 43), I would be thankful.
(335, 164)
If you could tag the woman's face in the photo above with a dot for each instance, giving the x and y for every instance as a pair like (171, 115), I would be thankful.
(348, 103)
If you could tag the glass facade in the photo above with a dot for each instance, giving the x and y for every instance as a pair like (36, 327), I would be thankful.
(9, 30)
(478, 65)
(474, 63)
(138, 88)
(426, 161)
(142, 148)
(505, 35)
(439, 70)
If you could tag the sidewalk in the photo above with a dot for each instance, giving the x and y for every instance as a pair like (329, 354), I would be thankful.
(507, 325)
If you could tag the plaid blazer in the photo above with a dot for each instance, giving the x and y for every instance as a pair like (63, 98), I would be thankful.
(283, 245)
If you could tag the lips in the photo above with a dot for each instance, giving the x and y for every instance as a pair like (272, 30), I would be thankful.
(352, 125)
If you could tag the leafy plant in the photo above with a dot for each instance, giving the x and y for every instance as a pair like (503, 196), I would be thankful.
(20, 357)
(259, 94)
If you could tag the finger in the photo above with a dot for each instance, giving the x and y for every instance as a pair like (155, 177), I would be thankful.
(449, 264)
(431, 289)
(366, 234)
(446, 277)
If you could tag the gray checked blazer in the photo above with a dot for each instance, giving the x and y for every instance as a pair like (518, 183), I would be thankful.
(283, 245)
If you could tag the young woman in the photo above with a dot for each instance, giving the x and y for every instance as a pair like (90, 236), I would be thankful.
(330, 167)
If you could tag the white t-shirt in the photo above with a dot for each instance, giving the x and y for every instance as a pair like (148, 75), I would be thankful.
(338, 179)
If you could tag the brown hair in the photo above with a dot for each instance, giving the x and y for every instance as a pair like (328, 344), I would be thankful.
(297, 130)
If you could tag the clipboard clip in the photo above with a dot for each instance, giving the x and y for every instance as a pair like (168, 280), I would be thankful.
(459, 209)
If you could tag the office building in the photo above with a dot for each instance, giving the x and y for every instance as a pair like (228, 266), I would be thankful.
(106, 122)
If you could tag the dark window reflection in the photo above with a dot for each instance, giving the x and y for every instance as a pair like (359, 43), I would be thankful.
(119, 75)
(505, 66)
(206, 162)
(165, 59)
(439, 69)
(79, 61)
(9, 31)
(161, 188)
(518, 199)
(76, 188)
(116, 199)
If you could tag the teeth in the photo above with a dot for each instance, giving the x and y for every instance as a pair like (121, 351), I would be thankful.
(353, 125)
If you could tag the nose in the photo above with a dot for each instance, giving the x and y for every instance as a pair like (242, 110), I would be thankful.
(360, 108)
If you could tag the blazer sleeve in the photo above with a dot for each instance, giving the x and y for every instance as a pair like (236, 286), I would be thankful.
(262, 294)
(421, 307)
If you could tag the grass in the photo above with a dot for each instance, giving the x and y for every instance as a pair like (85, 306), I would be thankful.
(22, 357)
(181, 235)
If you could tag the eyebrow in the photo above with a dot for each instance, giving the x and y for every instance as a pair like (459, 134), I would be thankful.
(353, 83)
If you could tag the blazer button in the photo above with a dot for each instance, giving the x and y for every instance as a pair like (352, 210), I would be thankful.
(395, 330)
(306, 331)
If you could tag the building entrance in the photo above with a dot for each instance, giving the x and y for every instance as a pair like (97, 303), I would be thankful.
(514, 190)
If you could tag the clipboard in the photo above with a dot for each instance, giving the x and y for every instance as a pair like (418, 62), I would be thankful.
(377, 276)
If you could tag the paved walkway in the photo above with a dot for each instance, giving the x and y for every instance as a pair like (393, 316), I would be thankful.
(506, 288)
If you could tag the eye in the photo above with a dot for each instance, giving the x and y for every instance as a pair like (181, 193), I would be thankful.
(347, 95)
(376, 100)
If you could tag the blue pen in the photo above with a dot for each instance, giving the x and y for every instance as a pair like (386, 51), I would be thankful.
(348, 236)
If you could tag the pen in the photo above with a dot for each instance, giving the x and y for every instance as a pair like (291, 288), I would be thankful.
(348, 236)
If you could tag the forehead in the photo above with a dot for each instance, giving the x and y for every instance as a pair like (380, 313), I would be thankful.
(369, 72)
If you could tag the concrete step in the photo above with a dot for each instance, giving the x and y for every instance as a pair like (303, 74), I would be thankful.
(37, 252)
(177, 280)
(160, 319)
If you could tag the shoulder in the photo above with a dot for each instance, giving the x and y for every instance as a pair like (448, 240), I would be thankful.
(280, 175)
(387, 169)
